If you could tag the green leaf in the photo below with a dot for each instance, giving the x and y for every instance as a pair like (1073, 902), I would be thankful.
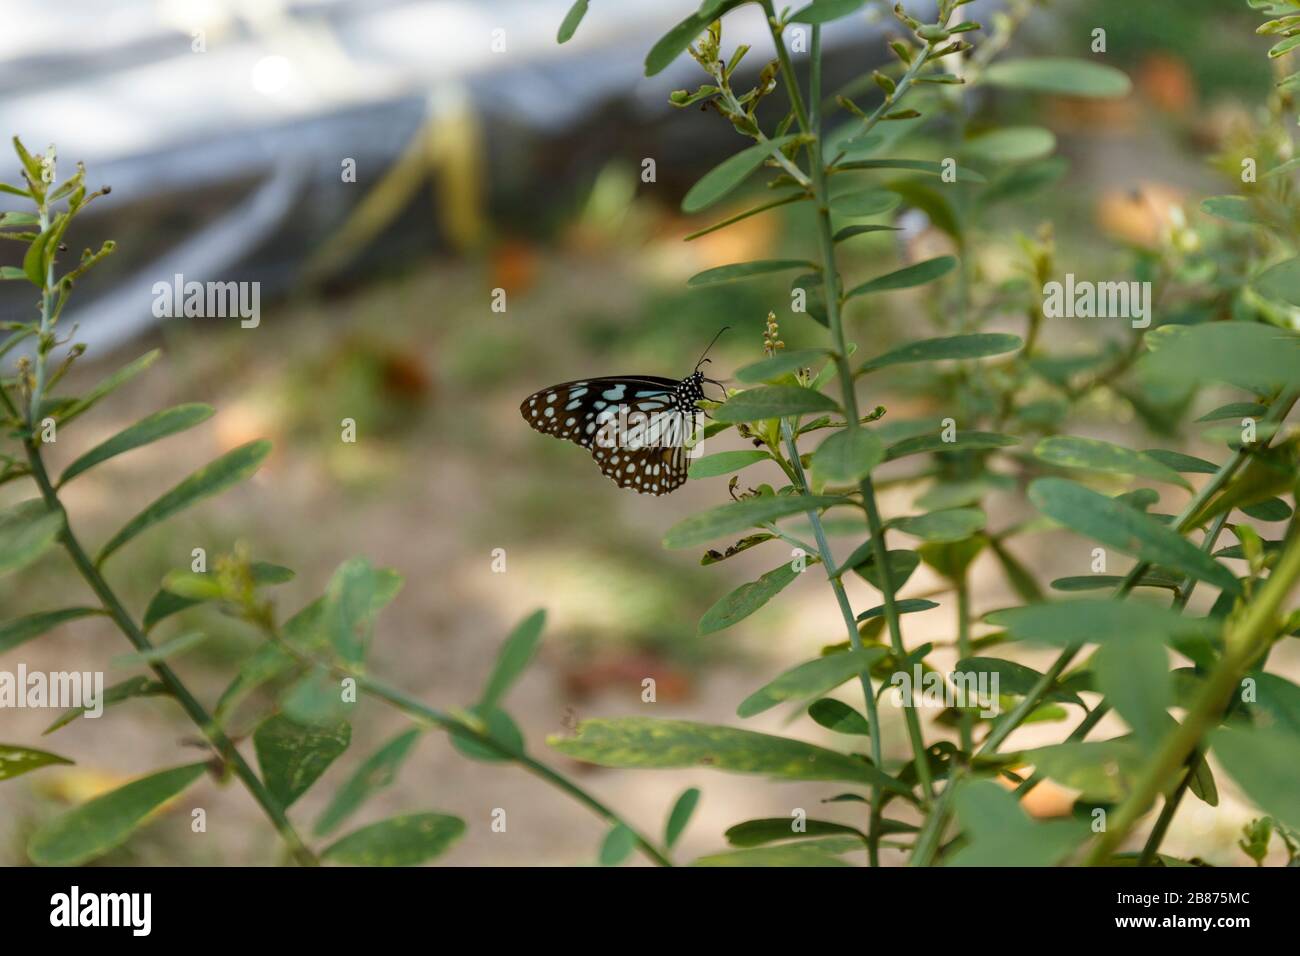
(293, 755)
(399, 841)
(746, 599)
(963, 174)
(516, 654)
(810, 679)
(730, 173)
(1232, 208)
(34, 261)
(349, 613)
(143, 432)
(1012, 678)
(1011, 144)
(1234, 410)
(782, 363)
(571, 21)
(1127, 530)
(1060, 75)
(1265, 762)
(862, 229)
(23, 629)
(905, 606)
(740, 515)
(773, 401)
(1093, 454)
(901, 565)
(618, 845)
(964, 441)
(16, 760)
(951, 558)
(379, 771)
(743, 270)
(99, 825)
(138, 686)
(1001, 833)
(848, 456)
(955, 524)
(1103, 770)
(1247, 354)
(771, 829)
(973, 346)
(1134, 675)
(803, 854)
(27, 530)
(1280, 282)
(725, 462)
(864, 202)
(907, 277)
(1187, 464)
(649, 743)
(166, 650)
(824, 11)
(1092, 621)
(838, 716)
(1021, 581)
(499, 727)
(230, 469)
(681, 815)
(107, 386)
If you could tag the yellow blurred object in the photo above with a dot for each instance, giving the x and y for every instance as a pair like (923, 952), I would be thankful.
(76, 785)
(449, 149)
(1140, 215)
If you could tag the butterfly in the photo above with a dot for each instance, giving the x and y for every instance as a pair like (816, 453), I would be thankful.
(637, 427)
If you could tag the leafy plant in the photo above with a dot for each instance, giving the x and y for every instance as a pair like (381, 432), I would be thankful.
(1006, 404)
(314, 662)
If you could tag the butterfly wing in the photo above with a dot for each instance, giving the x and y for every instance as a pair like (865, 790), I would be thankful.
(577, 411)
(652, 470)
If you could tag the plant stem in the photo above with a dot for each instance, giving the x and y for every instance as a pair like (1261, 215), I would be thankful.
(850, 625)
(963, 652)
(196, 712)
(1182, 523)
(421, 712)
(1243, 643)
(831, 282)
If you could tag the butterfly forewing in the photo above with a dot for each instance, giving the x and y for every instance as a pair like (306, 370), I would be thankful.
(593, 413)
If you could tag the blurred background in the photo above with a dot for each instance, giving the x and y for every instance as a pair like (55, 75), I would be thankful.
(488, 157)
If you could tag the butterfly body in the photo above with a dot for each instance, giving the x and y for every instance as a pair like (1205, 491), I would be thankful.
(637, 427)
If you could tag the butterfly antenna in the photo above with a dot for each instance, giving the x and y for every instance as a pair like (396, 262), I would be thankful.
(710, 345)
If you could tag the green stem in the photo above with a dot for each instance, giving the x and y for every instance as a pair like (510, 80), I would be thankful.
(423, 713)
(1182, 523)
(1244, 642)
(850, 625)
(830, 280)
(963, 652)
(126, 624)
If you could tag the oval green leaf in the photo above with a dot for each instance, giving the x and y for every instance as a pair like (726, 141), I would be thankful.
(1126, 529)
(400, 841)
(973, 346)
(848, 455)
(908, 277)
(97, 826)
(230, 469)
(773, 401)
(729, 174)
